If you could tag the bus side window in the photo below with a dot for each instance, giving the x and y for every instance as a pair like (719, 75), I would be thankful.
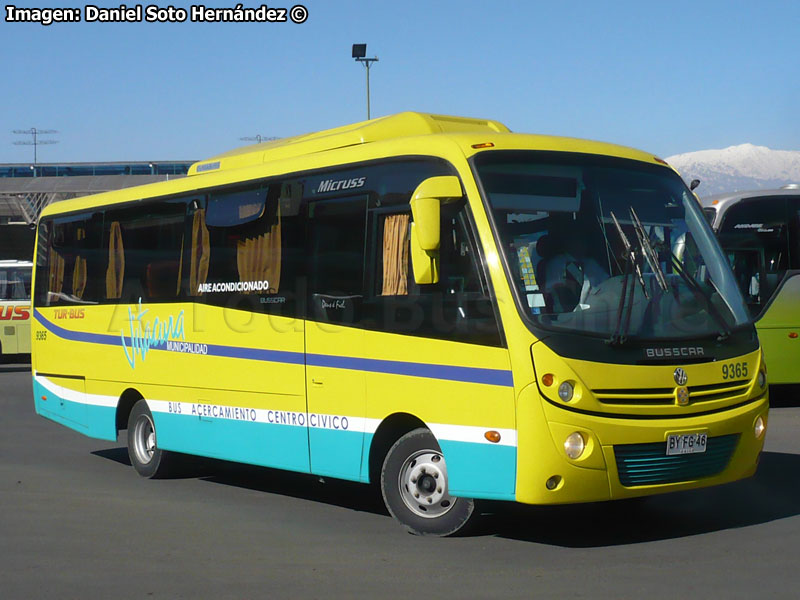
(143, 252)
(336, 258)
(458, 308)
(70, 260)
(246, 248)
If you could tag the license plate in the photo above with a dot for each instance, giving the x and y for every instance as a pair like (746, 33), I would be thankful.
(686, 443)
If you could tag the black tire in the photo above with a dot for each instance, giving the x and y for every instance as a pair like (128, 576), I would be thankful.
(415, 487)
(148, 460)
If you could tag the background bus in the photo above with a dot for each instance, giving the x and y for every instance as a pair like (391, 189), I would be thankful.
(15, 301)
(428, 303)
(759, 232)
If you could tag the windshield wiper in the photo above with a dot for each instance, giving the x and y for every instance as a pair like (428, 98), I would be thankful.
(695, 287)
(625, 307)
(630, 252)
(648, 251)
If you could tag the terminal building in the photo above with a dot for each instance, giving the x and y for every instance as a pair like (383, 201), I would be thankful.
(25, 189)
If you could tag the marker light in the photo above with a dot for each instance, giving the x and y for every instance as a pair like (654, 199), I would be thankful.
(762, 379)
(565, 391)
(483, 145)
(793, 335)
(574, 445)
(492, 436)
(760, 427)
(547, 379)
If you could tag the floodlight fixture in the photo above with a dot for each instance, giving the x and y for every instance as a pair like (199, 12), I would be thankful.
(360, 55)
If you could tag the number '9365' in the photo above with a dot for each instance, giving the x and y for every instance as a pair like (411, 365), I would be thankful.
(736, 370)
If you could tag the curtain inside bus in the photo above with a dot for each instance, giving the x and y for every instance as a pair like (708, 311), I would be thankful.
(115, 273)
(55, 278)
(258, 257)
(201, 253)
(395, 255)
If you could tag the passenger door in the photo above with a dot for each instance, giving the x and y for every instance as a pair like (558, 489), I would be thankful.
(335, 384)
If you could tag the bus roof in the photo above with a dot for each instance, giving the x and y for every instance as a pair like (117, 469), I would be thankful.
(394, 135)
(404, 124)
(722, 201)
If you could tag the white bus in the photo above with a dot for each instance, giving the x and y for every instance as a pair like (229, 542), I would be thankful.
(15, 307)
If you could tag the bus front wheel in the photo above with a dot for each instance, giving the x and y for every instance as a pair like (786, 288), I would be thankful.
(148, 460)
(415, 487)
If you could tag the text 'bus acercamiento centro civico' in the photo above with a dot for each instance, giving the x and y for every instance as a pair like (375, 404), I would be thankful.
(431, 304)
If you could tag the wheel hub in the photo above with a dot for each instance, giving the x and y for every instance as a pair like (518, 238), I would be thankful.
(423, 484)
(144, 439)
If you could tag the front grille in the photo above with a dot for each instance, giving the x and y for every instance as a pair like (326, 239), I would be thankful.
(648, 464)
(664, 396)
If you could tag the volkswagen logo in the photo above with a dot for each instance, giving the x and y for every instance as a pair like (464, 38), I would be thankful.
(680, 376)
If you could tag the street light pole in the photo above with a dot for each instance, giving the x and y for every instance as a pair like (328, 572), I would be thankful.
(360, 54)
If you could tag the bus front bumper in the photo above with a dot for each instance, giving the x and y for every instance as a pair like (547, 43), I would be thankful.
(627, 457)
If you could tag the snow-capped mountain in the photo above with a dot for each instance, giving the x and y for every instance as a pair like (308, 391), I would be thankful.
(737, 168)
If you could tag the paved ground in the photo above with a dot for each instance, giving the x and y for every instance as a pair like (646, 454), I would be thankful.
(77, 522)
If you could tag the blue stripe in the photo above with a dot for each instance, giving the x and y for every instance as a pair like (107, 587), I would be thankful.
(280, 356)
(372, 365)
(77, 336)
(393, 367)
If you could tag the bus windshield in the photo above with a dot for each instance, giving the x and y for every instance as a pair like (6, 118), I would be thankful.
(755, 235)
(15, 282)
(608, 247)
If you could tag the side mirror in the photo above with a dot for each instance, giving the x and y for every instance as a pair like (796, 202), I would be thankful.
(695, 183)
(425, 230)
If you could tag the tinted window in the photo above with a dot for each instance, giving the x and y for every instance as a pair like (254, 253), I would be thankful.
(144, 252)
(337, 253)
(70, 263)
(359, 261)
(251, 262)
(458, 307)
(754, 236)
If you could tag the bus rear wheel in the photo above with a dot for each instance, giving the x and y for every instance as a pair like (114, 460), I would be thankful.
(415, 490)
(148, 460)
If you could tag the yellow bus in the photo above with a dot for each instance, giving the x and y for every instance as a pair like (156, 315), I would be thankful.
(759, 232)
(15, 307)
(427, 303)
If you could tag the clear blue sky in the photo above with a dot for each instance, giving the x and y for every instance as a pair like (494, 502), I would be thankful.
(667, 77)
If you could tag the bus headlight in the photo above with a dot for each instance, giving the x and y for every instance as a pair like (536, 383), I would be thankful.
(759, 427)
(565, 391)
(574, 445)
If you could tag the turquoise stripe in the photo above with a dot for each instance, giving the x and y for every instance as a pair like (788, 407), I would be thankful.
(474, 470)
(264, 444)
(480, 470)
(93, 421)
(336, 453)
